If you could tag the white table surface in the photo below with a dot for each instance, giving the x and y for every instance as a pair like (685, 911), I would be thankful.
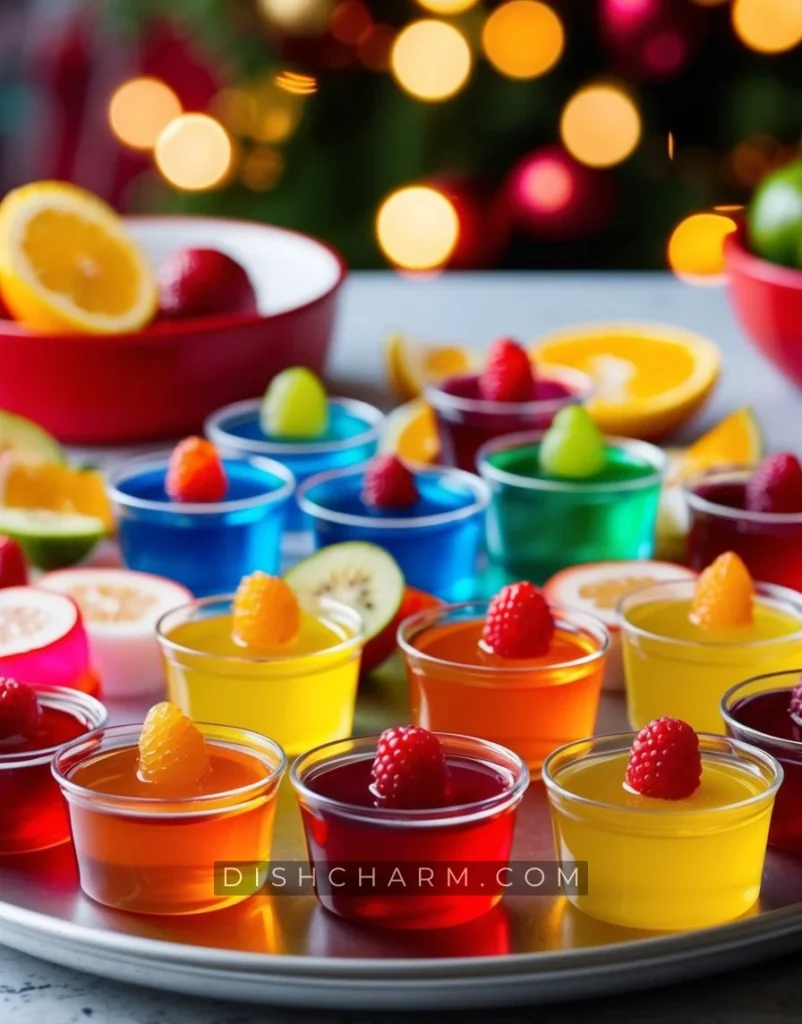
(477, 309)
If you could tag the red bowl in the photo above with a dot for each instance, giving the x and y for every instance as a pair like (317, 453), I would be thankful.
(768, 301)
(164, 381)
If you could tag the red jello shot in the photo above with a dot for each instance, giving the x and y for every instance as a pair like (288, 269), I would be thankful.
(33, 815)
(355, 844)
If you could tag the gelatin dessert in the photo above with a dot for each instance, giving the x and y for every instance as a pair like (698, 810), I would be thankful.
(686, 643)
(509, 396)
(757, 514)
(430, 520)
(766, 711)
(598, 589)
(569, 496)
(199, 520)
(154, 808)
(34, 722)
(259, 660)
(402, 805)
(673, 826)
(514, 671)
(298, 425)
(120, 609)
(43, 640)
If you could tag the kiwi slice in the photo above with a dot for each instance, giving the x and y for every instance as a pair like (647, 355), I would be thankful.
(52, 540)
(28, 440)
(360, 575)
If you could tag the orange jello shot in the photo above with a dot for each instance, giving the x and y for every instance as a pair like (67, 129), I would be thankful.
(515, 671)
(155, 808)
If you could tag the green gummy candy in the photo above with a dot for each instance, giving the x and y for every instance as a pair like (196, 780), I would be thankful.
(295, 405)
(572, 447)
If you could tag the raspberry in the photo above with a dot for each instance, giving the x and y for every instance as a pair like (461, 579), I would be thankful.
(776, 485)
(13, 568)
(172, 750)
(410, 769)
(20, 712)
(664, 761)
(267, 615)
(519, 623)
(508, 375)
(389, 484)
(195, 472)
(795, 707)
(723, 595)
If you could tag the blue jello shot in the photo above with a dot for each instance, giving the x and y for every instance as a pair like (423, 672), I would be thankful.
(436, 541)
(352, 437)
(208, 547)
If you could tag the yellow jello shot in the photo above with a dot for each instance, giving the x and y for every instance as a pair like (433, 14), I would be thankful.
(656, 863)
(262, 660)
(685, 643)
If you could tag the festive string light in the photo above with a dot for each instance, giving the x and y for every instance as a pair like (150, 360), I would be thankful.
(600, 126)
(417, 228)
(431, 60)
(696, 247)
(194, 152)
(350, 21)
(523, 39)
(670, 145)
(140, 109)
(768, 26)
(448, 7)
(298, 84)
(547, 185)
(299, 17)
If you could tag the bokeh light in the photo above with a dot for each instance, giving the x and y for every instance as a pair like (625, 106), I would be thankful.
(448, 7)
(696, 247)
(417, 228)
(768, 26)
(600, 126)
(431, 60)
(194, 152)
(376, 46)
(350, 21)
(300, 17)
(546, 185)
(236, 109)
(261, 169)
(296, 83)
(523, 39)
(140, 109)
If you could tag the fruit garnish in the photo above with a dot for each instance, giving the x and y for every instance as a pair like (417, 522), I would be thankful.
(52, 540)
(203, 282)
(28, 441)
(795, 705)
(57, 488)
(13, 567)
(572, 447)
(20, 711)
(413, 364)
(410, 431)
(774, 217)
(735, 441)
(360, 575)
(172, 750)
(383, 645)
(776, 485)
(519, 623)
(295, 405)
(68, 264)
(508, 375)
(724, 595)
(665, 762)
(267, 615)
(195, 472)
(410, 769)
(389, 484)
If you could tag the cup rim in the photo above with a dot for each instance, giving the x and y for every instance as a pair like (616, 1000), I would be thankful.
(481, 496)
(160, 459)
(251, 740)
(755, 736)
(215, 430)
(621, 742)
(562, 617)
(61, 698)
(772, 591)
(581, 384)
(431, 817)
(324, 603)
(700, 504)
(648, 453)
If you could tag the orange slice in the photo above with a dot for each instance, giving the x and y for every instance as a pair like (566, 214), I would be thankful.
(735, 441)
(56, 488)
(68, 265)
(411, 432)
(412, 364)
(649, 379)
(267, 616)
(172, 750)
(723, 596)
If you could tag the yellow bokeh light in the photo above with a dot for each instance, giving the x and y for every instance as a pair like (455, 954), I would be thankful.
(431, 60)
(301, 17)
(768, 26)
(523, 39)
(600, 126)
(696, 247)
(448, 7)
(194, 152)
(417, 228)
(140, 109)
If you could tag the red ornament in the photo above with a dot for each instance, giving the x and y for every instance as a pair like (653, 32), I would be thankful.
(653, 39)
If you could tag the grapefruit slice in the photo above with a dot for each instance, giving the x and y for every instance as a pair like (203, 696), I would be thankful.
(414, 363)
(31, 620)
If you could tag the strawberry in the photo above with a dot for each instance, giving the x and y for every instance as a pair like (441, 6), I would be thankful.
(519, 623)
(508, 375)
(410, 769)
(195, 472)
(776, 485)
(664, 761)
(389, 484)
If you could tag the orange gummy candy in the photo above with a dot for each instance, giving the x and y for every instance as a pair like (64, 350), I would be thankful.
(267, 615)
(172, 750)
(724, 594)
